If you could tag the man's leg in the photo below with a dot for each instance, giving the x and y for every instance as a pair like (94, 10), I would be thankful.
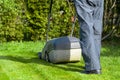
(98, 23)
(85, 13)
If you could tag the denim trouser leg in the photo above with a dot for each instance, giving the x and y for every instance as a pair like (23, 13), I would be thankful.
(90, 14)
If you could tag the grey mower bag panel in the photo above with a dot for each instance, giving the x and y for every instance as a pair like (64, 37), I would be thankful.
(63, 49)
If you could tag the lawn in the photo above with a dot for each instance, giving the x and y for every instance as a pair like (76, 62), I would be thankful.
(19, 61)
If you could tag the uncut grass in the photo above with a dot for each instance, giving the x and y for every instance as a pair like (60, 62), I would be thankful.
(19, 61)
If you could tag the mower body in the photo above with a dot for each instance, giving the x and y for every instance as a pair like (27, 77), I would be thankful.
(63, 49)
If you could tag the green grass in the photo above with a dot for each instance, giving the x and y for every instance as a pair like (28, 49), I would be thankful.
(19, 61)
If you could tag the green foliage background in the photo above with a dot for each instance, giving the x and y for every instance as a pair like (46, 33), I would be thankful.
(11, 27)
(37, 16)
(27, 19)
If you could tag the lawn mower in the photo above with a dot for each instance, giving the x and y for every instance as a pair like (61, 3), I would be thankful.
(62, 49)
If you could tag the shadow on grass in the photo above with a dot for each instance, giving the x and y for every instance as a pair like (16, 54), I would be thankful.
(64, 66)
(111, 51)
(110, 48)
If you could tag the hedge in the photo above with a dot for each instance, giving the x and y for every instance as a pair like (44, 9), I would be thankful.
(27, 19)
(11, 26)
(37, 15)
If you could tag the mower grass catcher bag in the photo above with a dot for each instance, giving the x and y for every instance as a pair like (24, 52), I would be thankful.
(63, 49)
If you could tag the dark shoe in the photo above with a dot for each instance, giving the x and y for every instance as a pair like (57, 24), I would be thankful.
(92, 72)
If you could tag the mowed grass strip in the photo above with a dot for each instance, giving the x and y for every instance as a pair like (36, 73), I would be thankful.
(19, 61)
(3, 75)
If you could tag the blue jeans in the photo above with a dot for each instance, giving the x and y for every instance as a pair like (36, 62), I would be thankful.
(90, 16)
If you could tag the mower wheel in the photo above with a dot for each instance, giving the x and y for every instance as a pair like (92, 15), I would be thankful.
(47, 57)
(40, 55)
